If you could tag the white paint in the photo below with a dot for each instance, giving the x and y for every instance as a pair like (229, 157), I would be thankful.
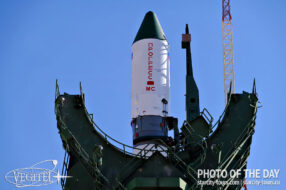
(144, 102)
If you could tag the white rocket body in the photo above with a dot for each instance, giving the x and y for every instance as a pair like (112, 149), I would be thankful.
(150, 88)
(150, 77)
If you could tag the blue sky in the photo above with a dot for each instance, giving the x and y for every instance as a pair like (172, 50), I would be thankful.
(90, 41)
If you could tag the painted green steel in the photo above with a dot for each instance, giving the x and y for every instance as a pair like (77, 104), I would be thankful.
(228, 147)
(150, 28)
(192, 92)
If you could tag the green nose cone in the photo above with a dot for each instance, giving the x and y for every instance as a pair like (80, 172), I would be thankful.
(150, 28)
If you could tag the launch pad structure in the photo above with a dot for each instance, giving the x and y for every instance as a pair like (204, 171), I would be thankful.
(156, 161)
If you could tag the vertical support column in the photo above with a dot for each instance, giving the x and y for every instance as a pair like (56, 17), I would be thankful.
(192, 92)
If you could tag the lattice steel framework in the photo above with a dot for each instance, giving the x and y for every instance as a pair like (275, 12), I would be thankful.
(228, 65)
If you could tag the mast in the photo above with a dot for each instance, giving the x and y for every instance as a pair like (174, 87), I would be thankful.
(192, 92)
(228, 65)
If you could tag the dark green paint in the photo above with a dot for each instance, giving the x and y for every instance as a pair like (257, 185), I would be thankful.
(192, 91)
(232, 134)
(150, 28)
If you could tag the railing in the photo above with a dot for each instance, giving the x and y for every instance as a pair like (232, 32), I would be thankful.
(221, 116)
(143, 153)
(206, 114)
(64, 169)
(125, 146)
(242, 139)
(106, 136)
(191, 173)
(81, 154)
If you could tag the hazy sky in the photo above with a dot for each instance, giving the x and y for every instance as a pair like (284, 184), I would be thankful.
(90, 41)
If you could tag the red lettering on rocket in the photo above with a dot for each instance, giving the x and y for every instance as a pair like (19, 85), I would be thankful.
(150, 83)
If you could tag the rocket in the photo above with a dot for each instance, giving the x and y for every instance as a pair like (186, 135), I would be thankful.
(150, 84)
(192, 92)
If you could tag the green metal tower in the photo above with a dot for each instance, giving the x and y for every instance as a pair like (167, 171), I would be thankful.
(97, 161)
